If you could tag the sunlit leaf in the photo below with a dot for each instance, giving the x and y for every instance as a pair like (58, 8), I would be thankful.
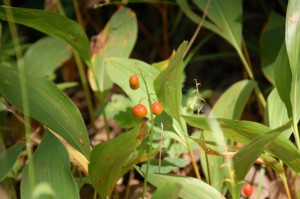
(236, 98)
(168, 84)
(246, 157)
(120, 69)
(292, 40)
(48, 105)
(226, 16)
(245, 131)
(164, 191)
(277, 113)
(191, 188)
(51, 165)
(115, 40)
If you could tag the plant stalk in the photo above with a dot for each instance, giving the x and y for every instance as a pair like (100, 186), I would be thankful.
(82, 74)
(150, 137)
(24, 93)
(257, 90)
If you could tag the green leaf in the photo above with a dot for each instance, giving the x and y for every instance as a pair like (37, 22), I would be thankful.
(117, 39)
(109, 159)
(168, 84)
(245, 131)
(226, 16)
(246, 157)
(123, 68)
(8, 158)
(271, 40)
(48, 105)
(192, 188)
(236, 98)
(51, 165)
(277, 113)
(52, 24)
(45, 55)
(169, 190)
(292, 40)
(283, 76)
(166, 165)
(119, 108)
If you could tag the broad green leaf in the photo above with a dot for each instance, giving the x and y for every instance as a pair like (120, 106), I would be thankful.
(115, 40)
(51, 165)
(245, 131)
(236, 98)
(109, 159)
(292, 40)
(168, 84)
(169, 190)
(246, 157)
(43, 190)
(271, 40)
(184, 6)
(45, 55)
(52, 24)
(226, 16)
(191, 188)
(48, 105)
(8, 158)
(277, 113)
(283, 76)
(120, 69)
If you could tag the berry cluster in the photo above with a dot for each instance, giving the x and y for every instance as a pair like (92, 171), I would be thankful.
(140, 111)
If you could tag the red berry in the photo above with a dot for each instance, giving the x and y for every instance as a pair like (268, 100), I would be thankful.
(134, 82)
(248, 189)
(139, 111)
(157, 108)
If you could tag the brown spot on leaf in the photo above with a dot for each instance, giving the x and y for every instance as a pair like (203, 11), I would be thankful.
(99, 181)
(142, 132)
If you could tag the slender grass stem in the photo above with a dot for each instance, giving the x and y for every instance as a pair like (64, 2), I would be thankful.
(257, 90)
(85, 86)
(260, 181)
(82, 74)
(198, 29)
(24, 93)
(150, 136)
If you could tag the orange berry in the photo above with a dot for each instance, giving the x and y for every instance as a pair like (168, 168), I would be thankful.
(139, 111)
(134, 82)
(247, 189)
(157, 108)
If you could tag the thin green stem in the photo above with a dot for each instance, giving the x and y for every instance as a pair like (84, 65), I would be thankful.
(257, 90)
(24, 94)
(150, 136)
(193, 159)
(197, 30)
(85, 86)
(95, 194)
(60, 7)
(260, 181)
(102, 105)
(82, 74)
